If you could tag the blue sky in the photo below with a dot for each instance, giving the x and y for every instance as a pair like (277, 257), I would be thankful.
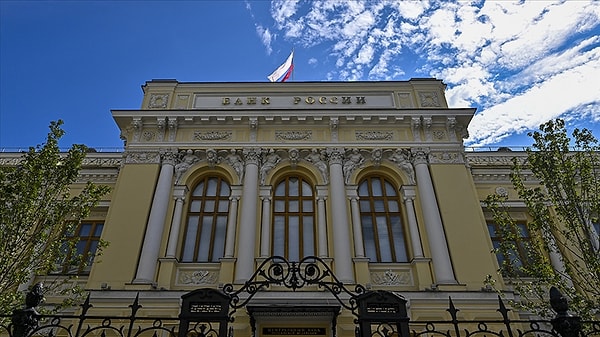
(519, 63)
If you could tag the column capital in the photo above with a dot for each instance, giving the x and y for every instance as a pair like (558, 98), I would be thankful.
(335, 156)
(252, 156)
(420, 155)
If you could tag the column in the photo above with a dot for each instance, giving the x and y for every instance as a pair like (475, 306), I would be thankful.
(265, 234)
(322, 222)
(442, 266)
(232, 222)
(342, 251)
(408, 195)
(179, 195)
(151, 245)
(359, 248)
(247, 240)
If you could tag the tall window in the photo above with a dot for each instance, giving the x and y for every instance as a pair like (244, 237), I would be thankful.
(293, 219)
(80, 256)
(381, 220)
(511, 245)
(207, 221)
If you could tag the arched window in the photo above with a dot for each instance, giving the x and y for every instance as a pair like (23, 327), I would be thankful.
(293, 219)
(381, 220)
(204, 239)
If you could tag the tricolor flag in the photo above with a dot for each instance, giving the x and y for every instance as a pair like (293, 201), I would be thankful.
(284, 70)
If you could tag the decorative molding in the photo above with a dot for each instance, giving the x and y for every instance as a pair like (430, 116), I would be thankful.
(501, 191)
(101, 162)
(212, 135)
(439, 134)
(293, 135)
(172, 129)
(158, 101)
(197, 277)
(392, 278)
(374, 135)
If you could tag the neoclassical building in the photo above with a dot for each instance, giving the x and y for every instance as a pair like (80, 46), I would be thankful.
(370, 177)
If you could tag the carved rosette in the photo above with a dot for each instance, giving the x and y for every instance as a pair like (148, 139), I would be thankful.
(429, 99)
(158, 101)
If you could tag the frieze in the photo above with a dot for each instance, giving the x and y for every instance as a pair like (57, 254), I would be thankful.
(374, 135)
(212, 135)
(102, 162)
(197, 277)
(142, 158)
(446, 158)
(293, 135)
(392, 278)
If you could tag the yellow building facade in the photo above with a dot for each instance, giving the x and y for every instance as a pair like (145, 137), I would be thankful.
(370, 177)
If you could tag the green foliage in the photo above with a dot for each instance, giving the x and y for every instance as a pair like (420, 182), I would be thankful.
(38, 210)
(563, 202)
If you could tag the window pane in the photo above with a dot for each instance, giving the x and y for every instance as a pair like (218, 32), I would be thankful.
(308, 236)
(293, 206)
(279, 206)
(279, 236)
(398, 239)
(219, 241)
(195, 206)
(376, 187)
(224, 189)
(379, 206)
(190, 239)
(98, 229)
(293, 188)
(85, 229)
(294, 237)
(363, 189)
(384, 240)
(393, 206)
(205, 239)
(306, 189)
(307, 206)
(389, 190)
(280, 190)
(199, 189)
(223, 206)
(365, 206)
(209, 206)
(80, 247)
(211, 187)
(369, 238)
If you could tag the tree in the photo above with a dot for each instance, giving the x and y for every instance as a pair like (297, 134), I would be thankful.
(39, 212)
(563, 202)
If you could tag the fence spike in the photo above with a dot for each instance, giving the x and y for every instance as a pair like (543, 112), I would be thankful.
(452, 309)
(135, 306)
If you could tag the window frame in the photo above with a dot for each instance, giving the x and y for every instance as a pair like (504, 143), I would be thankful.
(373, 214)
(91, 242)
(287, 214)
(199, 241)
(521, 243)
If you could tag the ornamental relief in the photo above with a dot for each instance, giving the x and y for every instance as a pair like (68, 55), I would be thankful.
(197, 277)
(293, 135)
(374, 135)
(392, 278)
(142, 158)
(148, 136)
(429, 99)
(212, 135)
(158, 101)
(446, 158)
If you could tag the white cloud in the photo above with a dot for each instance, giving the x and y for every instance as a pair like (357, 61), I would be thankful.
(519, 62)
(266, 37)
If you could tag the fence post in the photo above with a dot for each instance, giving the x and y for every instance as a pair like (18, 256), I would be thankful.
(564, 323)
(26, 319)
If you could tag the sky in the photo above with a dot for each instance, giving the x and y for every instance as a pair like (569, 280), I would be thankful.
(520, 63)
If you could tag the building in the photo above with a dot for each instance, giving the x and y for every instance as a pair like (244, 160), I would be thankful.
(370, 177)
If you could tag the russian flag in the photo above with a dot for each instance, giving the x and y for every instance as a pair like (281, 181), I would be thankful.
(284, 70)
